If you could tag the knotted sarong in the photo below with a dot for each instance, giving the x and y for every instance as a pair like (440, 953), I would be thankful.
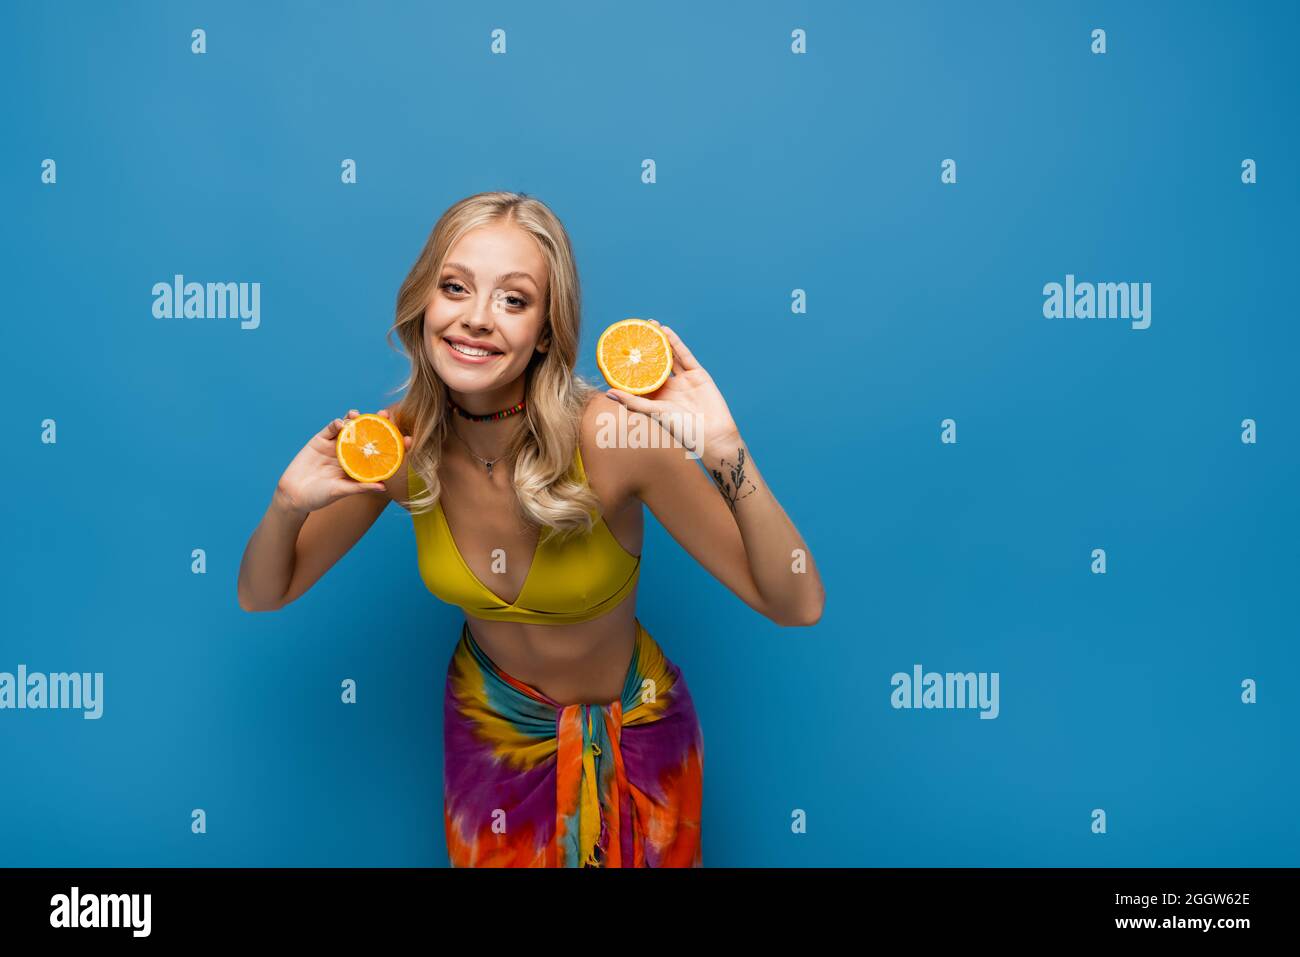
(532, 783)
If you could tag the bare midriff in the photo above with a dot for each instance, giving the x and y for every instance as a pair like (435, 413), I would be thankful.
(583, 663)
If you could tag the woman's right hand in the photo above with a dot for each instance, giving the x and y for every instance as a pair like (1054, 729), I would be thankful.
(314, 478)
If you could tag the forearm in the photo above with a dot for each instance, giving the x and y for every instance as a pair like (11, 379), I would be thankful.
(267, 567)
(780, 562)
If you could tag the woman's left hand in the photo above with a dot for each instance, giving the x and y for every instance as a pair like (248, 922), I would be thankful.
(688, 405)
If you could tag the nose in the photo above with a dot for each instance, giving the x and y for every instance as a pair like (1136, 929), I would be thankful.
(482, 314)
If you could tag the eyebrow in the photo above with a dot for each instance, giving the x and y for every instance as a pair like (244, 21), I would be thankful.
(517, 274)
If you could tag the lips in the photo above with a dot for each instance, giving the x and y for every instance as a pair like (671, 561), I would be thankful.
(468, 352)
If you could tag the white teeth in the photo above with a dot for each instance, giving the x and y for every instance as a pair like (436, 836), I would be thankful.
(470, 350)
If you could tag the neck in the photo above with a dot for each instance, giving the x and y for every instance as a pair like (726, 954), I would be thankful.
(489, 439)
(490, 400)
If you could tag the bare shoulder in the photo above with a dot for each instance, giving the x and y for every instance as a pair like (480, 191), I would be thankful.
(622, 449)
(598, 402)
(603, 455)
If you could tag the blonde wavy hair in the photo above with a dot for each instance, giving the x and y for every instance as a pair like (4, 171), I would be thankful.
(548, 494)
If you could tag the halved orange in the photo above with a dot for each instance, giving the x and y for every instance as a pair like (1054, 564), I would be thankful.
(634, 356)
(370, 449)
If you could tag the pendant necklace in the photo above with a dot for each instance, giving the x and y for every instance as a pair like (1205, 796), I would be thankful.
(488, 417)
(487, 462)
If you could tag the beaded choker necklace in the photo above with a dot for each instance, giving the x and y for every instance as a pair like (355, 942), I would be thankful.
(490, 416)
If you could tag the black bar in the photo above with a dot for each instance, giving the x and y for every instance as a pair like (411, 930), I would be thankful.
(241, 905)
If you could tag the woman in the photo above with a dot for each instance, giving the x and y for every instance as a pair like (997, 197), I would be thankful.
(571, 740)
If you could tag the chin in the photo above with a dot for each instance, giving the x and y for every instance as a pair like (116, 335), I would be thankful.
(472, 379)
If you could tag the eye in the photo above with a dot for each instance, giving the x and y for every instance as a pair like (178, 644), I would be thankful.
(515, 302)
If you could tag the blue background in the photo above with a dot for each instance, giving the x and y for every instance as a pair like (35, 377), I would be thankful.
(775, 172)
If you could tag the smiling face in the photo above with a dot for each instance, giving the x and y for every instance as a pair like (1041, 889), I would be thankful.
(486, 315)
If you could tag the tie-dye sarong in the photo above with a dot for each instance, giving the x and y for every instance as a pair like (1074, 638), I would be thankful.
(532, 783)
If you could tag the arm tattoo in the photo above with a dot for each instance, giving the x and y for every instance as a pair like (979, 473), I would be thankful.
(731, 490)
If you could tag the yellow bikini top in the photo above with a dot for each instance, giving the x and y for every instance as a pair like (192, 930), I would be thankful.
(576, 581)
